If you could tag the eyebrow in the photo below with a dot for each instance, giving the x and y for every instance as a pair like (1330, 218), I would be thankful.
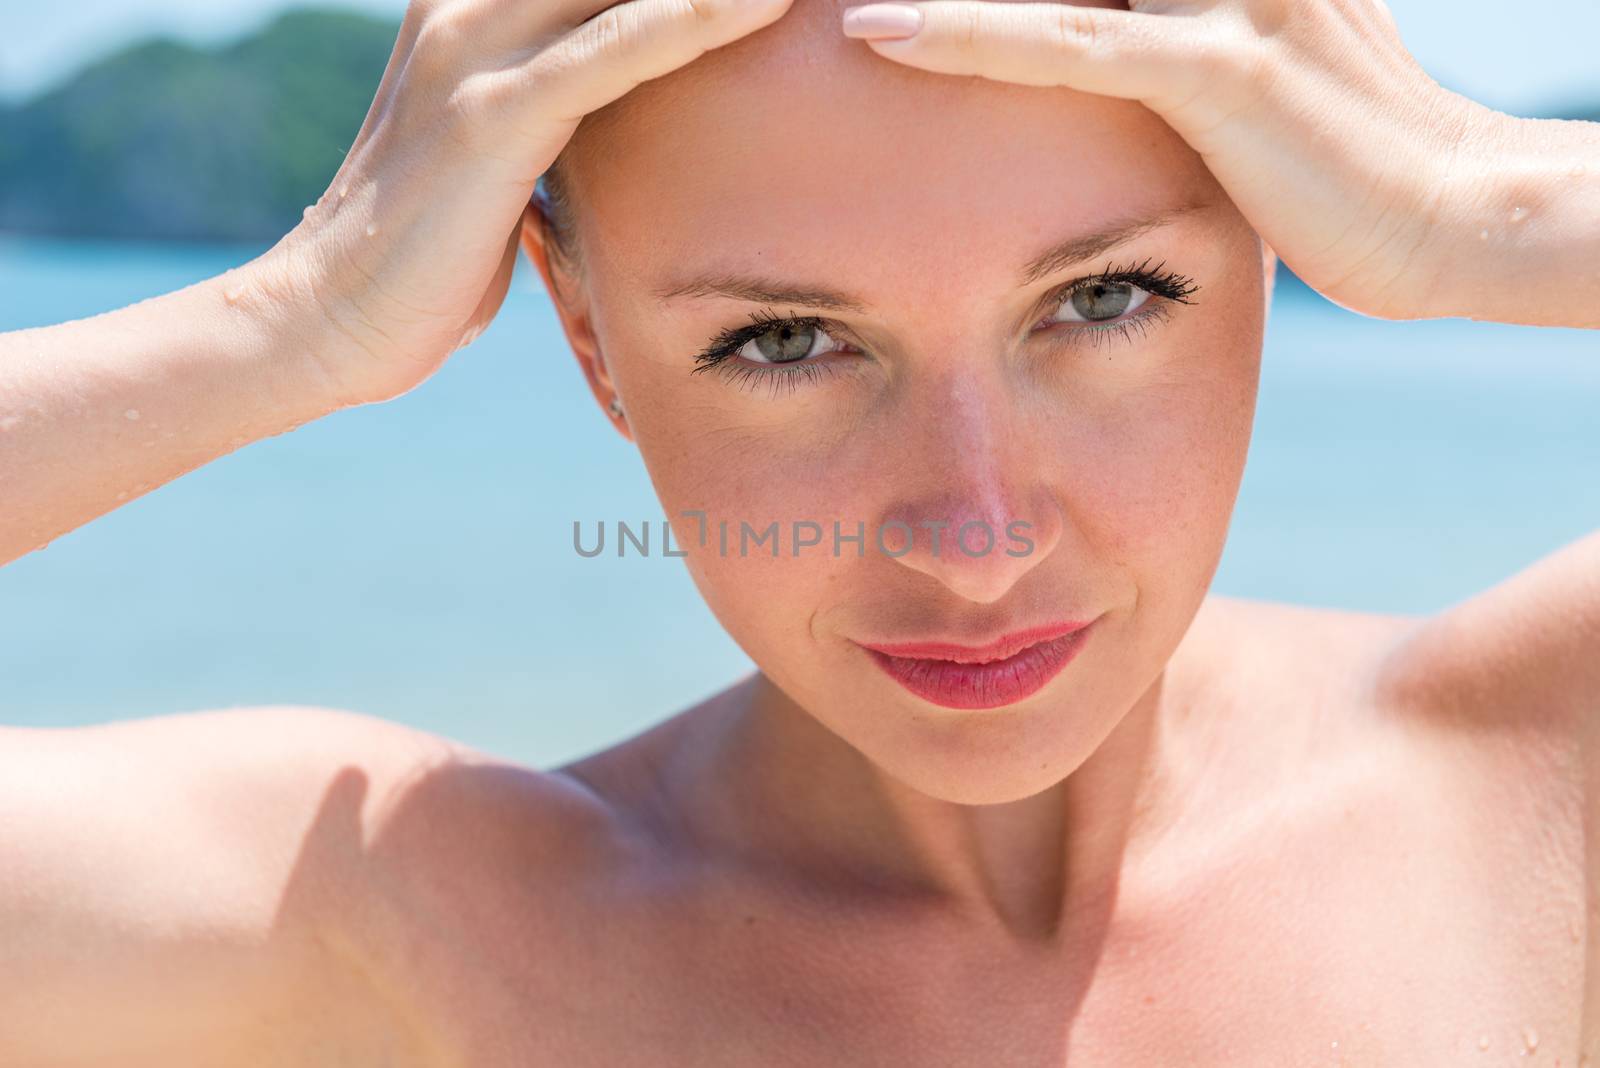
(1063, 254)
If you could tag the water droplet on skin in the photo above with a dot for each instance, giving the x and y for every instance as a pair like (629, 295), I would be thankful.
(1530, 1038)
(232, 294)
(1519, 213)
(1483, 235)
(372, 229)
(1336, 1043)
(344, 191)
(1579, 171)
(122, 496)
(309, 209)
(1483, 1041)
(131, 414)
(236, 441)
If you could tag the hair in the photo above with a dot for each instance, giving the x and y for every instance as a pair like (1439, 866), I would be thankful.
(552, 195)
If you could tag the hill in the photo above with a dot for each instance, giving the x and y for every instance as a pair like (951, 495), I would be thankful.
(165, 140)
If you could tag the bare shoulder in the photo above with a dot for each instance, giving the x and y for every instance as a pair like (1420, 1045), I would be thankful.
(196, 880)
(1524, 653)
(1253, 651)
(1486, 715)
(1515, 672)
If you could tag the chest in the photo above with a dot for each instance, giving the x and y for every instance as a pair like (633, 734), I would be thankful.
(1434, 914)
(1395, 957)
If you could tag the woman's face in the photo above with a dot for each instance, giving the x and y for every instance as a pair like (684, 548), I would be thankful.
(937, 376)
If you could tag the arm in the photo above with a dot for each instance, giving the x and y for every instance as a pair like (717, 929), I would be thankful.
(175, 887)
(1527, 249)
(1383, 191)
(403, 260)
(96, 412)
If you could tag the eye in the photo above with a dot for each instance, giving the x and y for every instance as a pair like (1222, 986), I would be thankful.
(1099, 301)
(770, 343)
(789, 341)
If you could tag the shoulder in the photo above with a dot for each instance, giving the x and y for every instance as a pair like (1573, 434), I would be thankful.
(303, 801)
(190, 878)
(1255, 653)
(1524, 653)
(1513, 675)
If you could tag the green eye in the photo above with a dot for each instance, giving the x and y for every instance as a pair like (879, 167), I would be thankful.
(783, 344)
(1099, 301)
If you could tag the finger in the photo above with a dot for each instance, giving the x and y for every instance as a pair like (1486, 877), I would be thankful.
(1128, 54)
(623, 46)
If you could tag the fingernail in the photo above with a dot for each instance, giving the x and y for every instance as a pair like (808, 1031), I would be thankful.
(882, 20)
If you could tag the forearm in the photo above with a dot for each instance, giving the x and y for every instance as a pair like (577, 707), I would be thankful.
(1524, 246)
(96, 412)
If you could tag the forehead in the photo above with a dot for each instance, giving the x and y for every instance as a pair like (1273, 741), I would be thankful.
(797, 143)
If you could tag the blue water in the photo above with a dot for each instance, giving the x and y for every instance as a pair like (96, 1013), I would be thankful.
(414, 559)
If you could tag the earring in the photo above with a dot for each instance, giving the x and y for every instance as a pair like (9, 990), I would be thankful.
(615, 407)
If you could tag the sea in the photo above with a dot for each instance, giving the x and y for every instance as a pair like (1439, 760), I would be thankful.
(414, 559)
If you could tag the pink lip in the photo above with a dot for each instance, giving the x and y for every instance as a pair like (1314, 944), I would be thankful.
(1001, 672)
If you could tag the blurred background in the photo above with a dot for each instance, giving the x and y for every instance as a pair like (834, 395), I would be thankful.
(414, 559)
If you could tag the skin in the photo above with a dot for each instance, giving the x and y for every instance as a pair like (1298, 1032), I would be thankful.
(1231, 832)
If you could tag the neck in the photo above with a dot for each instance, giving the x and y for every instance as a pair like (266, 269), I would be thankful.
(773, 782)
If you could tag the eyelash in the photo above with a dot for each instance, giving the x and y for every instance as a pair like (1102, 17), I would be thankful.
(1156, 280)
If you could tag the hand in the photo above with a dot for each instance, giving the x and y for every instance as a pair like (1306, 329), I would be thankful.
(1361, 172)
(409, 253)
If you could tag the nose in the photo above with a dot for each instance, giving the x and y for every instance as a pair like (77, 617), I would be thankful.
(976, 510)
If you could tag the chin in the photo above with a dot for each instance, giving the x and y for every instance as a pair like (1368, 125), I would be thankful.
(987, 757)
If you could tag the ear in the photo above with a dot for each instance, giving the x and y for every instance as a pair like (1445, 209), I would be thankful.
(571, 300)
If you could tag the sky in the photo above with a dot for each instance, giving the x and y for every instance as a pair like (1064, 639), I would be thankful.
(1527, 59)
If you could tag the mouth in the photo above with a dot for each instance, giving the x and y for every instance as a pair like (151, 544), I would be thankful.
(1000, 673)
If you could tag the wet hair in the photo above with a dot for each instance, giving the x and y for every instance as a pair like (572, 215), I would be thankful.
(552, 195)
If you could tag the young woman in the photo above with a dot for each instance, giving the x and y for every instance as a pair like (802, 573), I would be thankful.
(1046, 804)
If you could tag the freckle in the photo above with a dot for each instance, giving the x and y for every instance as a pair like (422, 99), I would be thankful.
(372, 229)
(132, 414)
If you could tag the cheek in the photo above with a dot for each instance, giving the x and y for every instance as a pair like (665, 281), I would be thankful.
(1158, 467)
(757, 497)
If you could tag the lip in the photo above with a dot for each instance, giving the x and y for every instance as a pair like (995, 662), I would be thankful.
(998, 673)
